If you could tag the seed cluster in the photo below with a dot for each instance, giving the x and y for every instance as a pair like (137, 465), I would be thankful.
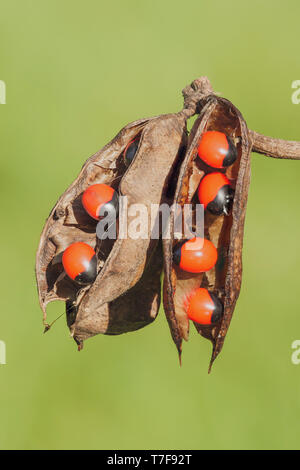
(113, 286)
(79, 259)
(199, 255)
(98, 200)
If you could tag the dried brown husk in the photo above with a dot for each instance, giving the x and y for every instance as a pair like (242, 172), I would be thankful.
(68, 222)
(103, 308)
(126, 293)
(226, 232)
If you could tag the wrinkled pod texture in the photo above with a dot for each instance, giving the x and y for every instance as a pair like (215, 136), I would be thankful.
(126, 293)
(225, 231)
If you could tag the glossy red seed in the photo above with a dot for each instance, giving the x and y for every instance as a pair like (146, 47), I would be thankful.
(216, 149)
(79, 262)
(96, 196)
(204, 307)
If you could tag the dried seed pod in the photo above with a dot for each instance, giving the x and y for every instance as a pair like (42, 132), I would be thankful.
(145, 182)
(128, 269)
(161, 166)
(225, 231)
(68, 222)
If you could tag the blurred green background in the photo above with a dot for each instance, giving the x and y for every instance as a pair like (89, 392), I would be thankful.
(76, 72)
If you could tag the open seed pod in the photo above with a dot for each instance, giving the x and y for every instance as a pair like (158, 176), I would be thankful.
(68, 223)
(126, 293)
(145, 182)
(224, 231)
(162, 166)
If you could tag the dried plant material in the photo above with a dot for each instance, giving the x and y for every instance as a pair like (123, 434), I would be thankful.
(128, 269)
(276, 148)
(161, 167)
(68, 222)
(226, 232)
(145, 182)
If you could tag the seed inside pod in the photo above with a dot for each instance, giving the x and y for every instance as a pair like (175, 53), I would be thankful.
(130, 151)
(217, 150)
(196, 255)
(215, 193)
(204, 307)
(99, 199)
(225, 232)
(80, 263)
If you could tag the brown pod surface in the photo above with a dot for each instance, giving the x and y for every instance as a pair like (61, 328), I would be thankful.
(162, 143)
(68, 222)
(226, 232)
(126, 293)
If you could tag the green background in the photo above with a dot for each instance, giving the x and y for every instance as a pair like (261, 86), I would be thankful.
(76, 72)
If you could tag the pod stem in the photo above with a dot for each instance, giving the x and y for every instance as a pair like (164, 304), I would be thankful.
(275, 148)
(194, 93)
